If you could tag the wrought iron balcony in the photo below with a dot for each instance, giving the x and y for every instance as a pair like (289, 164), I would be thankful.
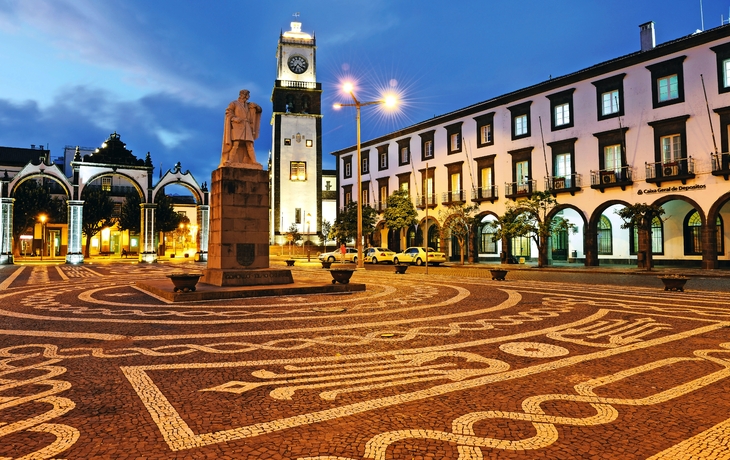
(426, 200)
(721, 164)
(515, 190)
(454, 197)
(607, 178)
(679, 169)
(485, 194)
(558, 184)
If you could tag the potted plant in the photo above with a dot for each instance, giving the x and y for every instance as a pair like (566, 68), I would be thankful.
(289, 262)
(674, 282)
(184, 282)
(326, 264)
(400, 269)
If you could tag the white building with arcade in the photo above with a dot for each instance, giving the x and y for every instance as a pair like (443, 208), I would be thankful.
(650, 127)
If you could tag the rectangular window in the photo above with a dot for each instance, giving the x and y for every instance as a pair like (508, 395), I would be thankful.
(485, 134)
(455, 142)
(726, 73)
(298, 170)
(428, 149)
(383, 194)
(347, 166)
(522, 172)
(309, 143)
(668, 88)
(562, 165)
(365, 165)
(562, 114)
(298, 215)
(404, 155)
(365, 196)
(520, 118)
(671, 148)
(487, 178)
(453, 135)
(667, 82)
(455, 186)
(287, 141)
(610, 97)
(485, 129)
(612, 158)
(521, 125)
(610, 102)
(106, 184)
(383, 160)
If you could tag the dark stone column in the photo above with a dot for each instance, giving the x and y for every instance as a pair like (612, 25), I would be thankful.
(709, 246)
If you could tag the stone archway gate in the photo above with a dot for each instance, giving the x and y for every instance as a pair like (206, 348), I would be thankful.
(112, 158)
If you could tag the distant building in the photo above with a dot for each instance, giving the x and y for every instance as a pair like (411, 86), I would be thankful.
(630, 130)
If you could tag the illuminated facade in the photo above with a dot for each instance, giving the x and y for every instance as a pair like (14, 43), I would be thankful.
(635, 129)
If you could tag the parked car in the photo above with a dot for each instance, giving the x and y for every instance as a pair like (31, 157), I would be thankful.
(417, 255)
(378, 255)
(336, 256)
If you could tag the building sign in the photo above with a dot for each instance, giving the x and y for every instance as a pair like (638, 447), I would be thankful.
(676, 188)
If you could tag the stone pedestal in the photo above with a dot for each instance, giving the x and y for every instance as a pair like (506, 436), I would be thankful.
(238, 244)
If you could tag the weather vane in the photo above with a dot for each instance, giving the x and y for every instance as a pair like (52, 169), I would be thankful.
(296, 15)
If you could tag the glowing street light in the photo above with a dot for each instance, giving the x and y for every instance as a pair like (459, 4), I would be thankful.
(43, 218)
(388, 101)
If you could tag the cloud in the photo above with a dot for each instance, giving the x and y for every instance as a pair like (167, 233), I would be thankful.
(115, 35)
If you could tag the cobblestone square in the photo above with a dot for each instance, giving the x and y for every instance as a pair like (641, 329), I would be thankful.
(445, 365)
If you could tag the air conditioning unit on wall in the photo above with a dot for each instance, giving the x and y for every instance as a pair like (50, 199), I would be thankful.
(608, 177)
(670, 169)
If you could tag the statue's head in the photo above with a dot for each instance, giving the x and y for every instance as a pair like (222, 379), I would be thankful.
(244, 94)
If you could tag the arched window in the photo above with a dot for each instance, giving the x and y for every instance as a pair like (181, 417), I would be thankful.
(605, 236)
(487, 245)
(657, 237)
(693, 234)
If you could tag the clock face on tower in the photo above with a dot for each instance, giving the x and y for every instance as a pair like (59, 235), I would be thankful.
(298, 64)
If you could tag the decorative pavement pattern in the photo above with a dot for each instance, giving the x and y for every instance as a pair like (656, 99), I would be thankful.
(416, 367)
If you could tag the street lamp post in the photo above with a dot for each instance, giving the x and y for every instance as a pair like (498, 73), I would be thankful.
(388, 101)
(43, 234)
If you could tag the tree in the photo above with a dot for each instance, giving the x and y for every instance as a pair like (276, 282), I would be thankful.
(345, 226)
(166, 219)
(400, 212)
(529, 218)
(293, 235)
(98, 210)
(641, 216)
(130, 216)
(457, 220)
(31, 200)
(324, 235)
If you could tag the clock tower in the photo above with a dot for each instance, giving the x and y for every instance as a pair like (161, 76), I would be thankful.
(295, 168)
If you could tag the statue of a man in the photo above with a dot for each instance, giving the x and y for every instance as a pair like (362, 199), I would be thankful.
(241, 128)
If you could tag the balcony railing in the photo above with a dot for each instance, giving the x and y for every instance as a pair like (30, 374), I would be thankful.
(298, 84)
(607, 178)
(454, 197)
(380, 206)
(569, 183)
(484, 194)
(426, 200)
(519, 189)
(721, 164)
(679, 169)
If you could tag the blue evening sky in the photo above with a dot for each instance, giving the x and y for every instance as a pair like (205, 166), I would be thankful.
(161, 72)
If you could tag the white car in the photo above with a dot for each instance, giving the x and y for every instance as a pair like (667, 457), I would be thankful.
(378, 255)
(336, 256)
(417, 255)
